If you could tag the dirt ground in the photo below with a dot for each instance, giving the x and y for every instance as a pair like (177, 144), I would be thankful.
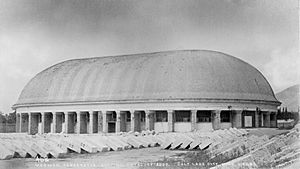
(129, 159)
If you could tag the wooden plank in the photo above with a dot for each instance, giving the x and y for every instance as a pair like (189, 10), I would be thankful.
(205, 144)
(141, 141)
(62, 147)
(134, 143)
(50, 148)
(187, 140)
(43, 153)
(13, 147)
(235, 132)
(195, 143)
(112, 144)
(222, 134)
(101, 147)
(124, 139)
(28, 149)
(118, 140)
(153, 142)
(102, 140)
(168, 142)
(86, 146)
(5, 153)
(176, 143)
(70, 145)
(159, 139)
(229, 133)
(58, 150)
(243, 131)
(185, 143)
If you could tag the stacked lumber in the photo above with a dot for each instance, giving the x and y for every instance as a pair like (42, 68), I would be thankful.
(261, 152)
(16, 145)
(202, 140)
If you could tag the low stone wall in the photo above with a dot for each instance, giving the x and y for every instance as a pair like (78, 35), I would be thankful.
(282, 124)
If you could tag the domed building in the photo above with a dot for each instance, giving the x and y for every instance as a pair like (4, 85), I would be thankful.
(168, 91)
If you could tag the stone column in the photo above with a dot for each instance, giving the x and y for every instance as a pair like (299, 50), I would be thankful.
(257, 118)
(43, 123)
(147, 120)
(275, 120)
(237, 119)
(268, 120)
(132, 120)
(78, 122)
(66, 122)
(194, 119)
(170, 120)
(216, 119)
(21, 122)
(91, 119)
(262, 120)
(118, 121)
(53, 129)
(17, 122)
(151, 120)
(29, 122)
(100, 122)
(105, 125)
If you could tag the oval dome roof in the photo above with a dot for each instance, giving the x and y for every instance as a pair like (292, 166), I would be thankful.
(187, 74)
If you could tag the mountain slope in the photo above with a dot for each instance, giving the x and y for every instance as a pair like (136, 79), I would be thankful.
(290, 98)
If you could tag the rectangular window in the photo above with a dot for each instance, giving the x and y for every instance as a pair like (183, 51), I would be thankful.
(63, 117)
(225, 116)
(143, 117)
(183, 116)
(111, 116)
(204, 116)
(128, 116)
(161, 116)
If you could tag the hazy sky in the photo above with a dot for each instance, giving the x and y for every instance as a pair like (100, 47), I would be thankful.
(35, 34)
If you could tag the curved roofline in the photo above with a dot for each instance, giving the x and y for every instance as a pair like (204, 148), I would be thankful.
(255, 69)
(149, 54)
(183, 100)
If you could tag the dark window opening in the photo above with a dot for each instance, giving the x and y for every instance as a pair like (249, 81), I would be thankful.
(111, 117)
(182, 116)
(143, 119)
(225, 116)
(128, 116)
(204, 116)
(161, 116)
(63, 117)
(273, 117)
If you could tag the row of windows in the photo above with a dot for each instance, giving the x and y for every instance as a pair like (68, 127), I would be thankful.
(179, 116)
(185, 116)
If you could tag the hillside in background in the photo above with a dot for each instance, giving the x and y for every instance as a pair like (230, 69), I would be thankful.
(289, 98)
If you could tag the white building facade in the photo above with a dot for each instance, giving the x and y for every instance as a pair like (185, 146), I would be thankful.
(173, 91)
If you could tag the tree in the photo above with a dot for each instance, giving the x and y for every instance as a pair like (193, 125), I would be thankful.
(11, 117)
(2, 118)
